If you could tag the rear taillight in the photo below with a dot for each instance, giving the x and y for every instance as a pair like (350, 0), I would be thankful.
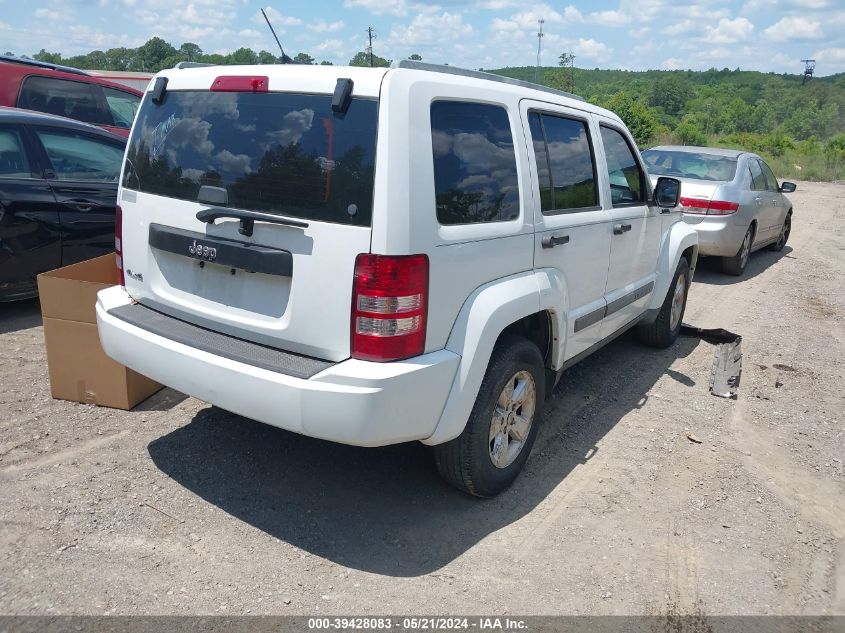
(703, 206)
(118, 244)
(389, 304)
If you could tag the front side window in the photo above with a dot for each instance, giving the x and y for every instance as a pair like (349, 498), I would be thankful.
(627, 182)
(758, 180)
(771, 181)
(564, 163)
(475, 178)
(78, 157)
(71, 99)
(13, 162)
(283, 153)
(123, 106)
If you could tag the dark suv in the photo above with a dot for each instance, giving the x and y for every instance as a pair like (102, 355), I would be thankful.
(58, 192)
(67, 92)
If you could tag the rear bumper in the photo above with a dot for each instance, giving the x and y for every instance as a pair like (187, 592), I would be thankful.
(351, 402)
(717, 235)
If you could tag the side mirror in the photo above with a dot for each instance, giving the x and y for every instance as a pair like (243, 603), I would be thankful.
(787, 187)
(667, 193)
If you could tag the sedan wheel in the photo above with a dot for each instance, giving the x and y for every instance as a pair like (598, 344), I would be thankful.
(736, 265)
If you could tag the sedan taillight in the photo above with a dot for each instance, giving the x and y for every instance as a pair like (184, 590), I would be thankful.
(703, 206)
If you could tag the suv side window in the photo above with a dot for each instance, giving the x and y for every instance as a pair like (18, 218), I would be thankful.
(758, 180)
(79, 157)
(565, 164)
(123, 106)
(627, 181)
(13, 162)
(771, 181)
(475, 178)
(72, 99)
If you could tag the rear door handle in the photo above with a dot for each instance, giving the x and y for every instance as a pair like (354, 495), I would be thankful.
(619, 229)
(550, 241)
(80, 205)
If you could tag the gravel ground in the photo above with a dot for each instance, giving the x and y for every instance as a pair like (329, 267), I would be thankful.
(181, 508)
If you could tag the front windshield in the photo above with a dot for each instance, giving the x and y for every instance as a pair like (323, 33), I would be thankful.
(697, 165)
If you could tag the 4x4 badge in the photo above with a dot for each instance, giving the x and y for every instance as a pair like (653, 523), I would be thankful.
(203, 252)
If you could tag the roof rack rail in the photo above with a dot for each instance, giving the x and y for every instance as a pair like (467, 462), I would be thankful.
(35, 62)
(181, 65)
(478, 74)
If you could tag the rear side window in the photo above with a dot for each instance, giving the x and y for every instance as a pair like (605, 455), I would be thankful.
(123, 106)
(13, 163)
(79, 157)
(565, 165)
(72, 99)
(627, 184)
(276, 152)
(475, 177)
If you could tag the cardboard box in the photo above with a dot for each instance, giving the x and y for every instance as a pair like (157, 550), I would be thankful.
(79, 369)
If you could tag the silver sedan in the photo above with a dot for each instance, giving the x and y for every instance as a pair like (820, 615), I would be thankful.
(732, 198)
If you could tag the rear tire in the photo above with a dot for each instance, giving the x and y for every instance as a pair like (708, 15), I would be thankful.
(736, 265)
(494, 446)
(785, 230)
(663, 331)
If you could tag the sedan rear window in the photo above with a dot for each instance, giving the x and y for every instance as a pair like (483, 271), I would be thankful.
(698, 165)
(276, 152)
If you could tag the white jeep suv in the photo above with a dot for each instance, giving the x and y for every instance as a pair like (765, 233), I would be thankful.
(373, 255)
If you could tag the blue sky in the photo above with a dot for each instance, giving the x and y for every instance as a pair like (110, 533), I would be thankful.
(767, 35)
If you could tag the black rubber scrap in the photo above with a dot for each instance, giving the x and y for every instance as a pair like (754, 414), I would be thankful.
(727, 361)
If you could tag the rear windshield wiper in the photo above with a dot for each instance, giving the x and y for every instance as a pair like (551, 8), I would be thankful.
(247, 218)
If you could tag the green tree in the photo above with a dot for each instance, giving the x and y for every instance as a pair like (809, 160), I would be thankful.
(363, 59)
(670, 93)
(190, 51)
(152, 54)
(303, 58)
(51, 58)
(326, 62)
(639, 118)
(242, 56)
(266, 57)
(689, 132)
(414, 57)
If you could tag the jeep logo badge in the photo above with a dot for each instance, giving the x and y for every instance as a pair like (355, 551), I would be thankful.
(202, 252)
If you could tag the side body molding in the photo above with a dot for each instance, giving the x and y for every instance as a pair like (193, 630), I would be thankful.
(483, 317)
(676, 240)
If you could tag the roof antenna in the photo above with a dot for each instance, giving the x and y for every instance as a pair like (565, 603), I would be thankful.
(285, 58)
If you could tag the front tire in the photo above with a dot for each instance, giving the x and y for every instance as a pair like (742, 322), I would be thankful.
(663, 331)
(736, 265)
(494, 446)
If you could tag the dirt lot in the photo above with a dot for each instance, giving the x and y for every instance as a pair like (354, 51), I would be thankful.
(181, 508)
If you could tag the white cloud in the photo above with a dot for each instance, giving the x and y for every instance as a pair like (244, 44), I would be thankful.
(378, 7)
(277, 18)
(830, 56)
(327, 27)
(728, 31)
(793, 27)
(608, 18)
(589, 49)
(445, 28)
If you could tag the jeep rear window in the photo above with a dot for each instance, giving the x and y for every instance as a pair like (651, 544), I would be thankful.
(275, 152)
